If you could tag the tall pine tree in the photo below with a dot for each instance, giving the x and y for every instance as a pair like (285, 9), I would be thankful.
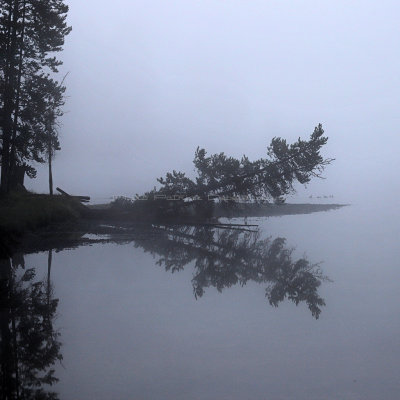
(31, 32)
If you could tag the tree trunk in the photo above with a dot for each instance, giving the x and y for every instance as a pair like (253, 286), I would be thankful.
(8, 99)
(50, 174)
(13, 161)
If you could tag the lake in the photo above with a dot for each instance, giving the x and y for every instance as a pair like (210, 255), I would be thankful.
(145, 319)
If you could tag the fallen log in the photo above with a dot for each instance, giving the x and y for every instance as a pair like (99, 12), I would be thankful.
(83, 199)
(62, 192)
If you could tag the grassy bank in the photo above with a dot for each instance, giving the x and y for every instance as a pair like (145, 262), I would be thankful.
(22, 212)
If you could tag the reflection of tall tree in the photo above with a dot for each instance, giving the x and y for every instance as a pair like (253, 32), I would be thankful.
(29, 344)
(224, 258)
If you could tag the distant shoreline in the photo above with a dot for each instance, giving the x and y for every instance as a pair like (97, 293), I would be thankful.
(274, 210)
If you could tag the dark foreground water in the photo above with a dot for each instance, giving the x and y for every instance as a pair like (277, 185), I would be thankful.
(145, 320)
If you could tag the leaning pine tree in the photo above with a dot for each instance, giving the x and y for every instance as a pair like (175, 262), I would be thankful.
(31, 32)
(272, 177)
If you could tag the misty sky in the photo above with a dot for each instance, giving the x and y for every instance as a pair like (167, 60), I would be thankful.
(151, 80)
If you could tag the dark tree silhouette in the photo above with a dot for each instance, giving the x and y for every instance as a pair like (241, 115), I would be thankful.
(271, 177)
(31, 32)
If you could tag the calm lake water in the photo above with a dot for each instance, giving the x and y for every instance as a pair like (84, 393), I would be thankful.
(130, 329)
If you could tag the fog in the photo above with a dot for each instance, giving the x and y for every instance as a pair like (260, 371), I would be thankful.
(160, 302)
(149, 81)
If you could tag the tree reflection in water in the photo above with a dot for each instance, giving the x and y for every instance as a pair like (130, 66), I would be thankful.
(223, 258)
(29, 345)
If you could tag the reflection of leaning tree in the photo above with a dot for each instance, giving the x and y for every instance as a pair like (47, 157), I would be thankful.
(29, 345)
(224, 258)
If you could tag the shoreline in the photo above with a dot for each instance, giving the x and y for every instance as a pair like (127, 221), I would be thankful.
(37, 223)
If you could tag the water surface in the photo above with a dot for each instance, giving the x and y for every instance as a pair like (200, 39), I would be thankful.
(133, 325)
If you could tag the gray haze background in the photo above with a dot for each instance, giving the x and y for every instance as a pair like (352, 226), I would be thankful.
(151, 80)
